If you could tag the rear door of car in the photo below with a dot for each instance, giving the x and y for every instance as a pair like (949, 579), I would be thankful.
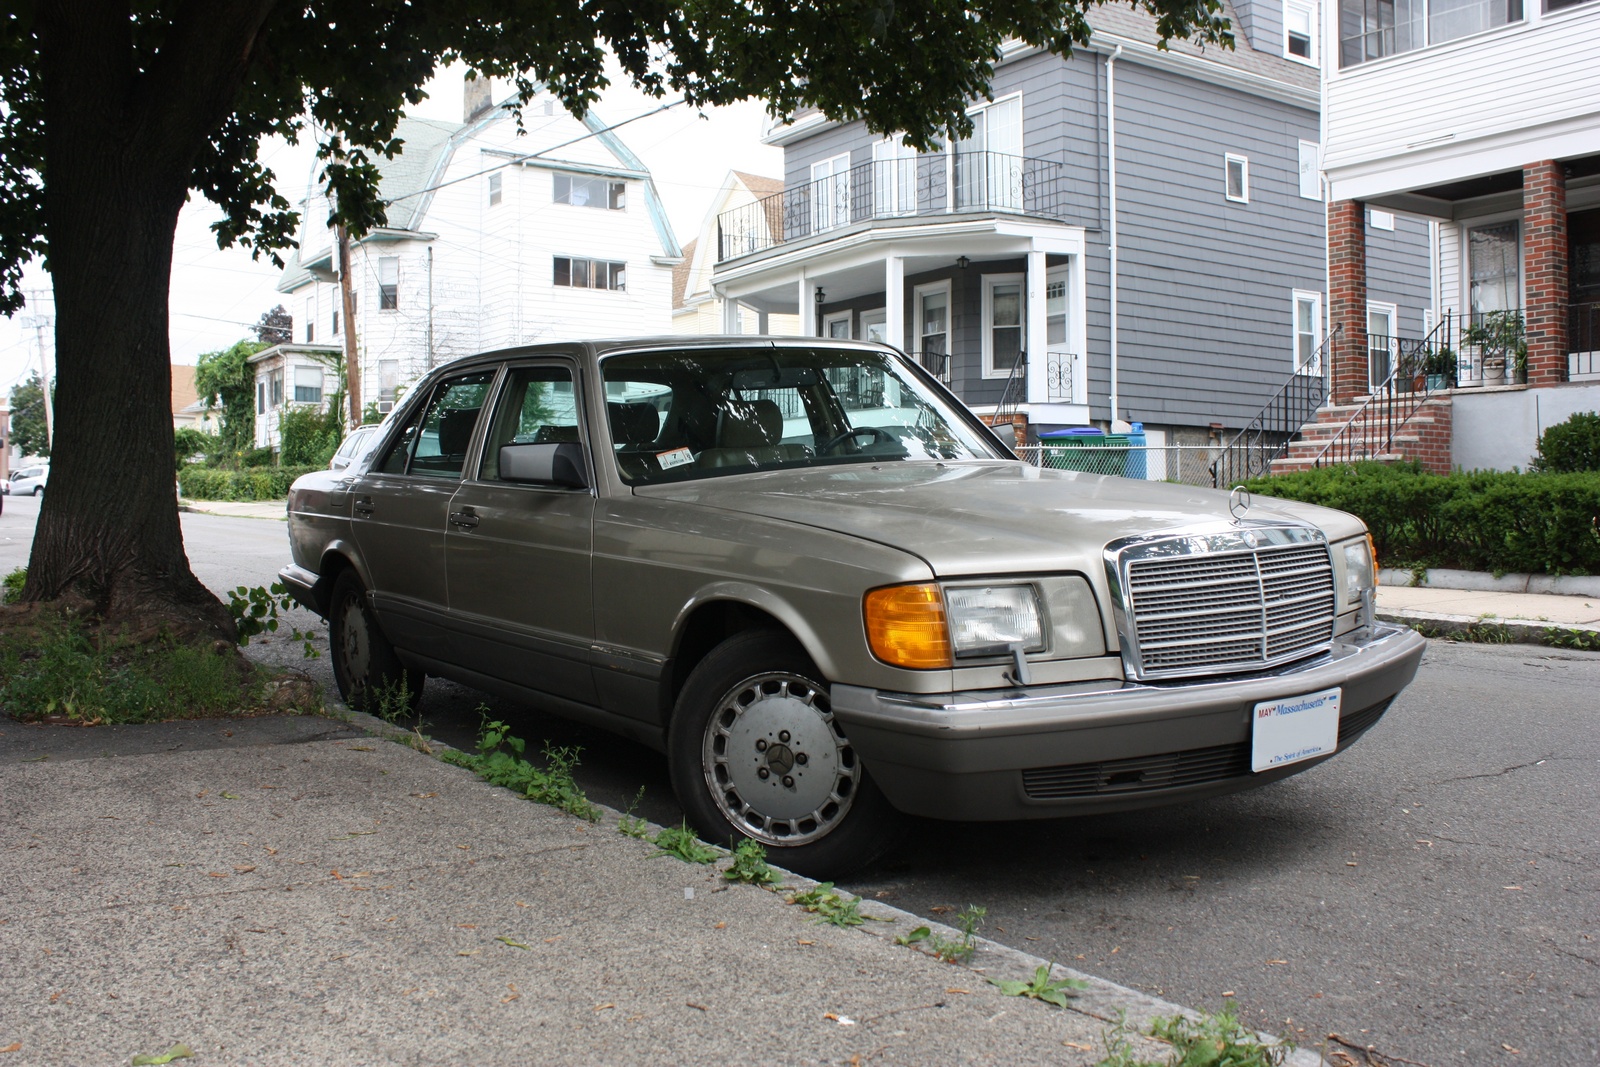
(400, 511)
(518, 555)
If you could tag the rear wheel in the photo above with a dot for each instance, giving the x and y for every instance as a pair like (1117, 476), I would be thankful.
(756, 752)
(365, 666)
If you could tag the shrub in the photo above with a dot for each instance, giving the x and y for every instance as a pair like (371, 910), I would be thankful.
(257, 483)
(1497, 521)
(189, 442)
(308, 437)
(1573, 445)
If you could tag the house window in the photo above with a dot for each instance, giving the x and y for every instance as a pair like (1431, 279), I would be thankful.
(1372, 29)
(1237, 169)
(308, 385)
(933, 327)
(335, 331)
(988, 164)
(1299, 30)
(311, 317)
(1310, 178)
(275, 388)
(1307, 331)
(388, 384)
(1002, 323)
(894, 178)
(1380, 220)
(1383, 347)
(261, 397)
(581, 191)
(494, 188)
(830, 193)
(837, 326)
(577, 273)
(388, 283)
(1494, 255)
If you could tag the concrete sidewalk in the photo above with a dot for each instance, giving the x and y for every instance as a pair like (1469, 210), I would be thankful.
(295, 891)
(1522, 617)
(240, 509)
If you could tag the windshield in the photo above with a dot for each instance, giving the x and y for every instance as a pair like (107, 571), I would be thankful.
(699, 412)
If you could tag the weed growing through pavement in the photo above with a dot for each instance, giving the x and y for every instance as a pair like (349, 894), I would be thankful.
(1211, 1041)
(393, 701)
(499, 761)
(11, 586)
(750, 865)
(1042, 987)
(959, 951)
(630, 824)
(830, 906)
(680, 841)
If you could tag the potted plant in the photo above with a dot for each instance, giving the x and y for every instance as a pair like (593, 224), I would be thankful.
(1439, 368)
(1502, 344)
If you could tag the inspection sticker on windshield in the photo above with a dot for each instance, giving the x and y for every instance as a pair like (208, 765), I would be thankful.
(1294, 729)
(676, 458)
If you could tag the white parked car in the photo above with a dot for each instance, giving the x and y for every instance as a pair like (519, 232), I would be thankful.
(26, 481)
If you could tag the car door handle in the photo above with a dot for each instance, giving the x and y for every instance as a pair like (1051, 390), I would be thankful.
(363, 505)
(466, 518)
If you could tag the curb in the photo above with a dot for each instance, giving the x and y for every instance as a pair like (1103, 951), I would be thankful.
(1101, 999)
(1492, 629)
(1484, 582)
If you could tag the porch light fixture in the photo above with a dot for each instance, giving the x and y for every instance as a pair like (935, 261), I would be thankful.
(963, 262)
(819, 296)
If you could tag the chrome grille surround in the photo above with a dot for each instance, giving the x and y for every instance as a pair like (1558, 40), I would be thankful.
(1224, 599)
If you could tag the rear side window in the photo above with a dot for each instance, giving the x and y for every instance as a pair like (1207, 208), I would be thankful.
(435, 441)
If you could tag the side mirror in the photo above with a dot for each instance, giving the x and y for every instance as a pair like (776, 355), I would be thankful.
(1007, 432)
(547, 464)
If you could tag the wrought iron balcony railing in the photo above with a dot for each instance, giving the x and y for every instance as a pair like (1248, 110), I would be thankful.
(938, 184)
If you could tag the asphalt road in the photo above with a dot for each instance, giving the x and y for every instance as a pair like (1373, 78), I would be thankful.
(1434, 893)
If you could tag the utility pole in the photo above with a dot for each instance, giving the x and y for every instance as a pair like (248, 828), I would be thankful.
(352, 365)
(430, 307)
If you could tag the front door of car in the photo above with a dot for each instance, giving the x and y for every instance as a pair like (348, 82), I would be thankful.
(518, 553)
(400, 509)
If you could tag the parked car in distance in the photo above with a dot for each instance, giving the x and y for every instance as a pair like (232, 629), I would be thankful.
(822, 587)
(29, 480)
(352, 447)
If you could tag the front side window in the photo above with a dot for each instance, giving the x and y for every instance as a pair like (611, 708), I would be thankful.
(388, 283)
(435, 440)
(308, 385)
(584, 191)
(689, 414)
(578, 273)
(537, 407)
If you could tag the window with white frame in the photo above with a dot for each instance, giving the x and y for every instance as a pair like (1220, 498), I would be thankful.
(837, 326)
(830, 193)
(1310, 172)
(1307, 331)
(578, 273)
(1300, 30)
(583, 191)
(1236, 178)
(388, 384)
(933, 327)
(1372, 29)
(308, 385)
(335, 331)
(261, 397)
(894, 178)
(275, 388)
(311, 317)
(388, 283)
(496, 191)
(988, 164)
(1380, 220)
(1002, 323)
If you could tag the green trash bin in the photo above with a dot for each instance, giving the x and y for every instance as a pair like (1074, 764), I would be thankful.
(1084, 448)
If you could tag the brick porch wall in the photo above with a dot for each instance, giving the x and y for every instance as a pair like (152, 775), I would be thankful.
(1347, 297)
(1544, 213)
(1433, 444)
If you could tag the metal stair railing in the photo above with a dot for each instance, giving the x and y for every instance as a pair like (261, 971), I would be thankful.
(1014, 393)
(1252, 449)
(1372, 429)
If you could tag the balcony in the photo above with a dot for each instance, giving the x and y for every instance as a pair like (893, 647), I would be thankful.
(920, 186)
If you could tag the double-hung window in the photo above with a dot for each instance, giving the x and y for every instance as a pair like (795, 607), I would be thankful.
(388, 283)
(578, 273)
(308, 385)
(1307, 331)
(584, 191)
(1002, 323)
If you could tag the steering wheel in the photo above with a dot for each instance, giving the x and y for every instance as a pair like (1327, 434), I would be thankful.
(873, 433)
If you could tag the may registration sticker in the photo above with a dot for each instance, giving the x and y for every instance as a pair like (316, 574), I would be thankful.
(1294, 729)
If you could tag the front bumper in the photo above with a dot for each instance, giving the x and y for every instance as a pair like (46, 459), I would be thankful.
(1103, 746)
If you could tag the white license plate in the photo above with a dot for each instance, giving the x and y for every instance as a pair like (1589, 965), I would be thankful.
(1293, 729)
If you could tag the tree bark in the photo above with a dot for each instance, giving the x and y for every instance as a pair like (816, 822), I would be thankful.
(120, 146)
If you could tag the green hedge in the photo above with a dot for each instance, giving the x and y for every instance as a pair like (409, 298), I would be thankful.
(257, 483)
(1504, 522)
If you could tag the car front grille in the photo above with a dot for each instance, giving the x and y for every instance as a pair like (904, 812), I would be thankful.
(1171, 770)
(1222, 604)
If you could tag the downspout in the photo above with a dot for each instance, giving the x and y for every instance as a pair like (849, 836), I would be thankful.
(1111, 175)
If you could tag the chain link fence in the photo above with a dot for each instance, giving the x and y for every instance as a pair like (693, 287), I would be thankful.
(1185, 464)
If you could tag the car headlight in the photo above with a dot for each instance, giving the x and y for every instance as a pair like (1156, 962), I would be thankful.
(926, 627)
(1360, 571)
(988, 620)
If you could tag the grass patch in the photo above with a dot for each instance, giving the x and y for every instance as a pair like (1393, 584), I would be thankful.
(680, 841)
(63, 668)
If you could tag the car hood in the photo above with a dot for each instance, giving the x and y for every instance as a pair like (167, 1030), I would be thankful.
(985, 518)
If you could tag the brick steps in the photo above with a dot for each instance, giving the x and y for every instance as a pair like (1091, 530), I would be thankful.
(1424, 437)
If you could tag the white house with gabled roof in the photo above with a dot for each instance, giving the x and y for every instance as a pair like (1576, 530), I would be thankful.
(495, 237)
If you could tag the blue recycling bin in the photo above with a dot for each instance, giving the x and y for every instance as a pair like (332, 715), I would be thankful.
(1137, 463)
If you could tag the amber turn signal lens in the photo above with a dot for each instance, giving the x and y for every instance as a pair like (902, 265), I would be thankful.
(906, 626)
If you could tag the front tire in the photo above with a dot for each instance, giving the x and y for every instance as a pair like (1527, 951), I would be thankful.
(756, 752)
(365, 665)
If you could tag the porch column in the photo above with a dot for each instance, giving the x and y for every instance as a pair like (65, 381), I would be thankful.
(808, 307)
(1036, 332)
(1347, 297)
(1544, 215)
(894, 300)
(730, 314)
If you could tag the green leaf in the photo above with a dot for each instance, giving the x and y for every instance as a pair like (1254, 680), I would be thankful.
(921, 933)
(176, 1052)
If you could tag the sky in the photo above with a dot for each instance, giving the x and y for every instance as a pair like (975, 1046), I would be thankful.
(216, 295)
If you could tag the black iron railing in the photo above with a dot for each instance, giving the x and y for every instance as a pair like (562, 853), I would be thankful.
(1583, 327)
(1015, 392)
(1419, 368)
(934, 184)
(1252, 449)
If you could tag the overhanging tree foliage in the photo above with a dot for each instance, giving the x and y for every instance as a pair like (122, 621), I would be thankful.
(111, 111)
(226, 379)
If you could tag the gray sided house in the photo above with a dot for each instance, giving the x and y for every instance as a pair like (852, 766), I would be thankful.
(1130, 234)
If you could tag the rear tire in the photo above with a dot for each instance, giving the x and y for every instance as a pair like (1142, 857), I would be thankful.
(365, 665)
(755, 752)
